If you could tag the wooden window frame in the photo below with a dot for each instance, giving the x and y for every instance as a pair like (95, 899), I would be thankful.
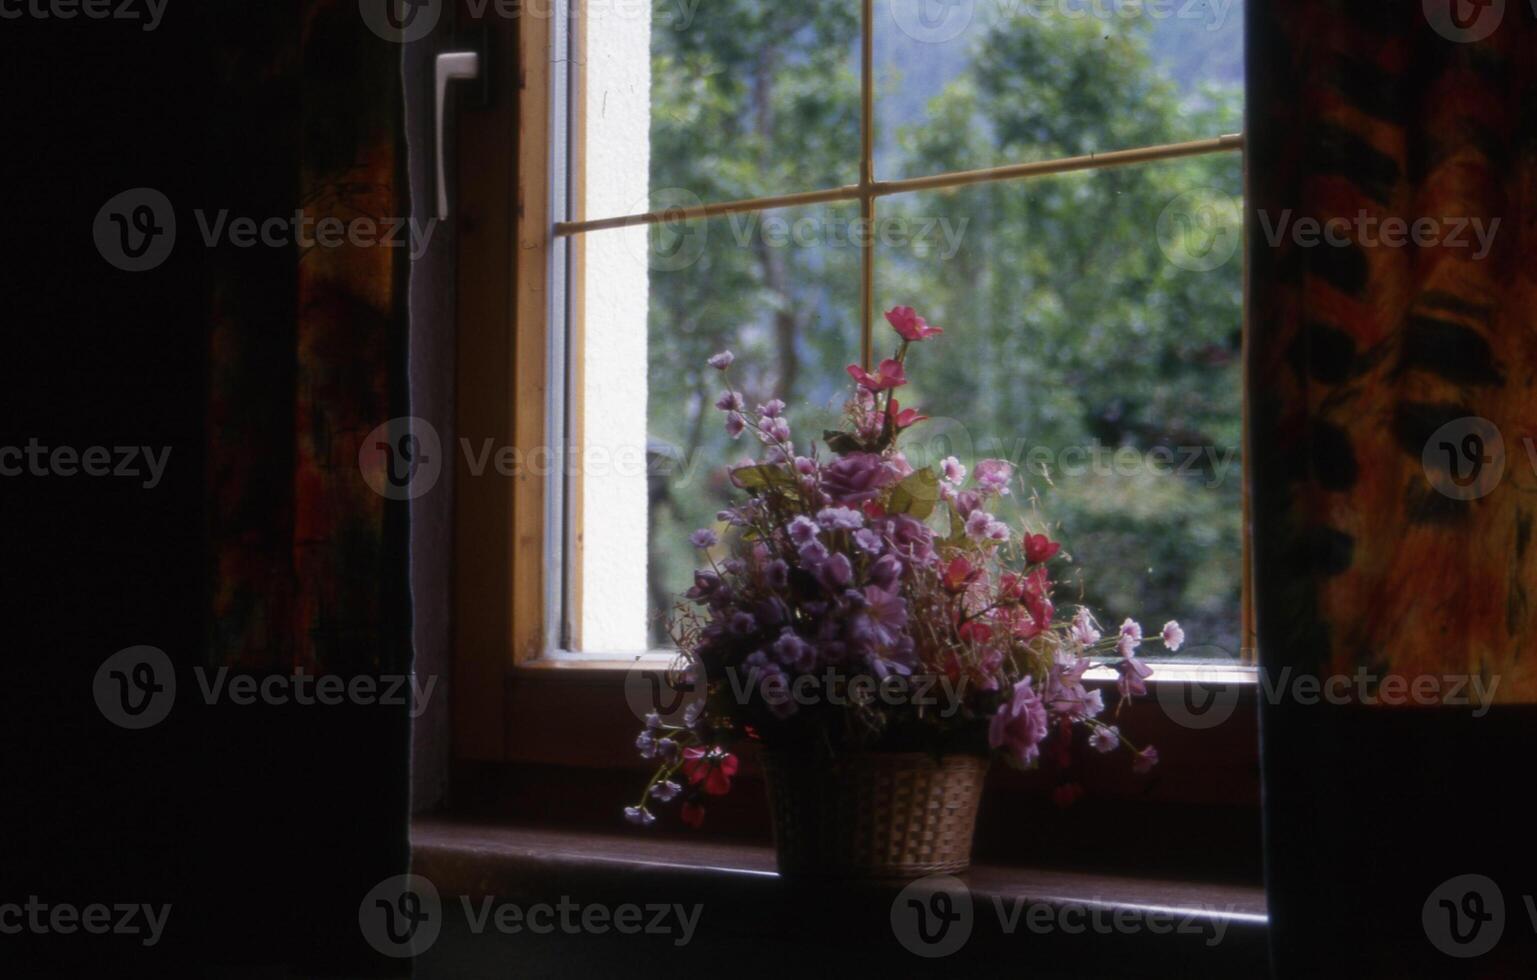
(507, 691)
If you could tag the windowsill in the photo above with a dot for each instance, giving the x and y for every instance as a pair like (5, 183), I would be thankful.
(485, 859)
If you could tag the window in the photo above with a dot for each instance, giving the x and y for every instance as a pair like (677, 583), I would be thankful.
(1055, 183)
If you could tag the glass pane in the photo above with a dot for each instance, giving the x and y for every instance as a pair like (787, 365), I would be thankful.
(964, 84)
(687, 102)
(780, 289)
(1092, 336)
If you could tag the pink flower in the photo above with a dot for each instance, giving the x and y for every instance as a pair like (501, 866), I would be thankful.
(710, 769)
(803, 529)
(772, 409)
(735, 424)
(993, 475)
(1129, 639)
(775, 429)
(1173, 636)
(841, 518)
(904, 418)
(729, 401)
(722, 360)
(1020, 724)
(1039, 548)
(906, 321)
(888, 375)
(981, 526)
(1133, 673)
(953, 470)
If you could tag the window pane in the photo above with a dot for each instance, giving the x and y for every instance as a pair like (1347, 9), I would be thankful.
(969, 83)
(698, 102)
(780, 289)
(1092, 336)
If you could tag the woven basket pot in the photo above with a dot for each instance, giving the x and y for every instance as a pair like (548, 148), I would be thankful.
(875, 814)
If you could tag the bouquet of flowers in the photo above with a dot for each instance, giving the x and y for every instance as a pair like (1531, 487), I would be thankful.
(859, 603)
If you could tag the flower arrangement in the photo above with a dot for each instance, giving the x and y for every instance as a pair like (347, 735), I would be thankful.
(860, 603)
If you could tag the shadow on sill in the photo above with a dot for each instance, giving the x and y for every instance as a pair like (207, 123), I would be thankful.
(750, 922)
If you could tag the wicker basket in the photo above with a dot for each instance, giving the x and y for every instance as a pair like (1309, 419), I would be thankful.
(874, 815)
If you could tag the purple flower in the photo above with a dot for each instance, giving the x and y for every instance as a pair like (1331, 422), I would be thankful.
(645, 743)
(805, 466)
(667, 749)
(794, 652)
(835, 572)
(840, 518)
(639, 816)
(722, 360)
(742, 623)
(735, 424)
(1083, 629)
(977, 524)
(774, 429)
(771, 409)
(885, 572)
(952, 469)
(854, 478)
(1145, 761)
(729, 401)
(703, 538)
(803, 530)
(705, 584)
(868, 540)
(777, 574)
(910, 538)
(731, 516)
(1020, 724)
(1133, 675)
(883, 619)
(665, 791)
(897, 467)
(813, 553)
(1105, 739)
(993, 475)
(1173, 636)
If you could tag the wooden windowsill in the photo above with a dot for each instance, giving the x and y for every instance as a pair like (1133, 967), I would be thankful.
(746, 899)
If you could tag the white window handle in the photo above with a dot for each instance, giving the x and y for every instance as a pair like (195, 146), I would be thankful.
(451, 66)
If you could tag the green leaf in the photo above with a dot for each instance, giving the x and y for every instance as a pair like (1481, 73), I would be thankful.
(916, 495)
(763, 475)
(841, 442)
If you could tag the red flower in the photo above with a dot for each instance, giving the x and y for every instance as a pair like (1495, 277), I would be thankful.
(959, 574)
(902, 418)
(888, 375)
(693, 815)
(711, 769)
(906, 321)
(974, 632)
(1039, 548)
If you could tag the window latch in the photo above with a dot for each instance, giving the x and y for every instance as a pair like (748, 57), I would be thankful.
(451, 66)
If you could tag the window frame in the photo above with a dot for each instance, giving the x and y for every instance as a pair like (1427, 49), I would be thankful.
(519, 277)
